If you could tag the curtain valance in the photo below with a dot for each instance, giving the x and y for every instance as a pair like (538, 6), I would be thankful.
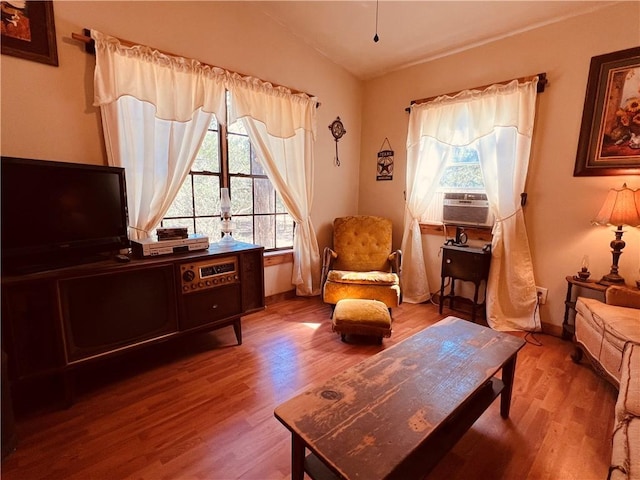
(280, 110)
(491, 107)
(179, 86)
(176, 86)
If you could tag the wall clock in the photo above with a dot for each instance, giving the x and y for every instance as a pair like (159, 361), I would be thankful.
(337, 130)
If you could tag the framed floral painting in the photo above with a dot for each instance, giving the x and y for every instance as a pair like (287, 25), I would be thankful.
(28, 30)
(609, 141)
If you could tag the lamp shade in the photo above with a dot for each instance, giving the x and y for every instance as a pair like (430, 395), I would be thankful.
(621, 207)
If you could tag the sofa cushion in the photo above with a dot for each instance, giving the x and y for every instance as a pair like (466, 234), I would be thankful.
(628, 403)
(625, 456)
(623, 323)
(603, 331)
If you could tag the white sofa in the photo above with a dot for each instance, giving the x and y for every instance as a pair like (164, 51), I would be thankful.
(609, 334)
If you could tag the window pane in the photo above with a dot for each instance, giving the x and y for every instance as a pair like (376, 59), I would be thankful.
(264, 196)
(256, 168)
(239, 158)
(207, 194)
(237, 127)
(243, 229)
(210, 227)
(265, 230)
(208, 157)
(463, 170)
(183, 204)
(279, 205)
(241, 193)
(284, 231)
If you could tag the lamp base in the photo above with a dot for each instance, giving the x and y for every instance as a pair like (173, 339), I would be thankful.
(227, 239)
(611, 279)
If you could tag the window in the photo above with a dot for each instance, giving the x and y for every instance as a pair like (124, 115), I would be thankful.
(462, 174)
(259, 215)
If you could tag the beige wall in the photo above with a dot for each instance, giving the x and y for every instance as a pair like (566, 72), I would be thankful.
(47, 111)
(560, 205)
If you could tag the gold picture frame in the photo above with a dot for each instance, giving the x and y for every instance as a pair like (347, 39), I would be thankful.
(609, 142)
(29, 32)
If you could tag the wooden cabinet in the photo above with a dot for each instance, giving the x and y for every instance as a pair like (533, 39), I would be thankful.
(56, 320)
(464, 263)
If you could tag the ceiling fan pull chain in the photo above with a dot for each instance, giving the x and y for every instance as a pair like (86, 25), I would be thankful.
(375, 37)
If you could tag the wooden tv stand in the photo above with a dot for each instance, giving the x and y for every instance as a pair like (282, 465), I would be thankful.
(59, 320)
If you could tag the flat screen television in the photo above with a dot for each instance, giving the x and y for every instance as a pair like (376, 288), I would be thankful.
(56, 214)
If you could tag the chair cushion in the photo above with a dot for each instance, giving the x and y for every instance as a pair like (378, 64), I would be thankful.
(388, 294)
(363, 278)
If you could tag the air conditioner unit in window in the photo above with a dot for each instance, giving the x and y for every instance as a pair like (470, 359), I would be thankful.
(469, 209)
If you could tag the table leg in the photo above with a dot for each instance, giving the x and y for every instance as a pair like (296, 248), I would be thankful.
(441, 295)
(508, 373)
(452, 293)
(475, 302)
(297, 457)
(565, 323)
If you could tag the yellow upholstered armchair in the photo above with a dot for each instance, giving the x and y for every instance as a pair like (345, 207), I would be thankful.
(361, 264)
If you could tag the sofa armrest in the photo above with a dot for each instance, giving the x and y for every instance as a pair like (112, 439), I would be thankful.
(622, 296)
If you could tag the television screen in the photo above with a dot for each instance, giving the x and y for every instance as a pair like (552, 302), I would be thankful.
(56, 213)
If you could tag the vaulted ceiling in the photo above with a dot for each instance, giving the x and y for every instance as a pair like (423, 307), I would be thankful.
(411, 32)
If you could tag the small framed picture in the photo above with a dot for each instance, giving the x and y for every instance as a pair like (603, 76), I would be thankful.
(609, 141)
(28, 30)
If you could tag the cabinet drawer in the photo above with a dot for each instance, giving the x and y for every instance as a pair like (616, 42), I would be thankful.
(466, 264)
(211, 306)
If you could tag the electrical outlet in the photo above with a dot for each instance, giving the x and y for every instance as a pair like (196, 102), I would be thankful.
(542, 295)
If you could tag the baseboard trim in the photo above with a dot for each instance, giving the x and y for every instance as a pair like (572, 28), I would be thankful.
(551, 329)
(279, 297)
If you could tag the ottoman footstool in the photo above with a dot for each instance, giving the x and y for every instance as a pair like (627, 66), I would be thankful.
(361, 317)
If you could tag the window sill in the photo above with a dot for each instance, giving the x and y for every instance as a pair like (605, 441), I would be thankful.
(277, 258)
(473, 233)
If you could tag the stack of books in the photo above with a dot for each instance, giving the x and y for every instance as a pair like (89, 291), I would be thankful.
(175, 233)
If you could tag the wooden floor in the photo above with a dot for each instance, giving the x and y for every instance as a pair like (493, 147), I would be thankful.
(202, 408)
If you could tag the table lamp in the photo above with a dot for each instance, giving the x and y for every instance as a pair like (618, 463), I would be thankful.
(621, 207)
(225, 217)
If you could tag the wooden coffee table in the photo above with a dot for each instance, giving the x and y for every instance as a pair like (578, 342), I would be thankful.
(396, 414)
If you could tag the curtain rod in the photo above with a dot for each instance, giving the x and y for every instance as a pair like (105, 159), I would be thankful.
(89, 47)
(542, 82)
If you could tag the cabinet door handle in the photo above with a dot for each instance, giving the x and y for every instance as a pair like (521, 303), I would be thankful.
(213, 307)
(448, 260)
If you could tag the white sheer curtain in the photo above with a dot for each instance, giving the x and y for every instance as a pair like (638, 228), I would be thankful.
(281, 127)
(155, 112)
(423, 177)
(498, 122)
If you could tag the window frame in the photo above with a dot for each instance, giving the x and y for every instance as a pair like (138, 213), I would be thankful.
(225, 176)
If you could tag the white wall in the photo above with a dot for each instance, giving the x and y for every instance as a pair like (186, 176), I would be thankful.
(47, 111)
(560, 205)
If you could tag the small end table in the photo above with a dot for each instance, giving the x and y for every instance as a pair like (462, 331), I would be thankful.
(467, 264)
(568, 329)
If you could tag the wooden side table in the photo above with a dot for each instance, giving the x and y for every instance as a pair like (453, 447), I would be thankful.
(568, 329)
(467, 264)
